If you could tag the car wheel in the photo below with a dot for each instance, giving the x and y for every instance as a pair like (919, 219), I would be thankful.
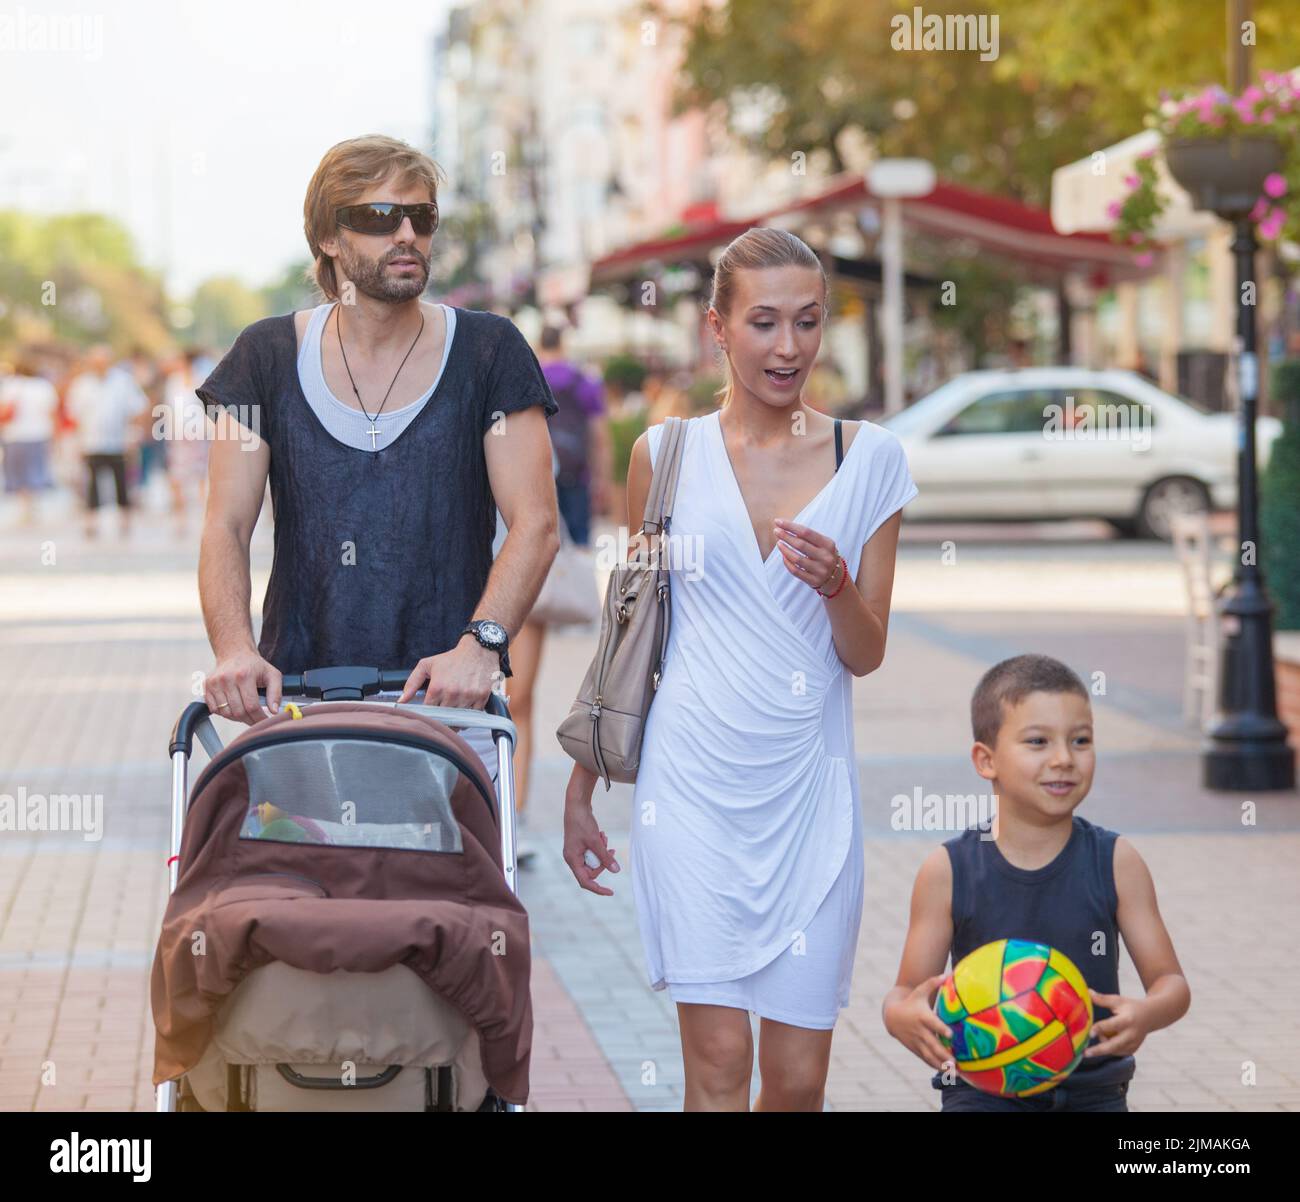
(1164, 499)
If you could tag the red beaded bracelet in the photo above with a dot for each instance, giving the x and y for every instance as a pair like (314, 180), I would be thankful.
(839, 586)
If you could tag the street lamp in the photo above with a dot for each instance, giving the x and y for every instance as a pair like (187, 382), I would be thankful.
(1248, 750)
(892, 180)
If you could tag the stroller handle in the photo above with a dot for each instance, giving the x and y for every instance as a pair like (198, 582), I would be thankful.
(348, 683)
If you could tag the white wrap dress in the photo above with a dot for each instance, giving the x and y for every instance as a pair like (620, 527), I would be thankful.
(746, 829)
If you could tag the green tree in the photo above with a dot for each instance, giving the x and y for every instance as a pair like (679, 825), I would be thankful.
(223, 306)
(74, 277)
(294, 289)
(1067, 79)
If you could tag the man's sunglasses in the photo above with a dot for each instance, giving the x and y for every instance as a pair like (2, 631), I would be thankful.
(385, 218)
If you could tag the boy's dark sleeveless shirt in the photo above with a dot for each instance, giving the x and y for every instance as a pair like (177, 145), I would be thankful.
(380, 557)
(1064, 904)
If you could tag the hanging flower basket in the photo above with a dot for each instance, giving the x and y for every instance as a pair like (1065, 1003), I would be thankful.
(1225, 175)
(1233, 154)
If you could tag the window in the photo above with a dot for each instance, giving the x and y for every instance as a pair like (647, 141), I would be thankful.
(351, 793)
(1105, 412)
(1015, 411)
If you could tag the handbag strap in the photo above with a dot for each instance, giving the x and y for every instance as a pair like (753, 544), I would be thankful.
(663, 480)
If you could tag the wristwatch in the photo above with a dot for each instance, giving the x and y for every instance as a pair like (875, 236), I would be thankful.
(493, 636)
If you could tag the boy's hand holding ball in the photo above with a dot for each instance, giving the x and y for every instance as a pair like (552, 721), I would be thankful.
(914, 1024)
(1123, 1032)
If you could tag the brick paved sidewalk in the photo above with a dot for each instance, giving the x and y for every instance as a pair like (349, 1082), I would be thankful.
(106, 642)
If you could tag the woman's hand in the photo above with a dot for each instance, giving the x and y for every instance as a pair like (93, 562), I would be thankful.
(582, 833)
(809, 556)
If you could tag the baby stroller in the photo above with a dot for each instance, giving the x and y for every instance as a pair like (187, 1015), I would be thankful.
(343, 930)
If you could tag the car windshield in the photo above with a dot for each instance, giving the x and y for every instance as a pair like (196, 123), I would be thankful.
(914, 418)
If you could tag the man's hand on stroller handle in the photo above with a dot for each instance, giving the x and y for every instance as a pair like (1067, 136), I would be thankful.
(462, 677)
(583, 837)
(230, 689)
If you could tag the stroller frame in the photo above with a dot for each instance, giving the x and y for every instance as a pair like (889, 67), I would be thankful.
(349, 683)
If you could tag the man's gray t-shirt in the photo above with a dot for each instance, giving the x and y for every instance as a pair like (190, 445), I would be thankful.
(379, 557)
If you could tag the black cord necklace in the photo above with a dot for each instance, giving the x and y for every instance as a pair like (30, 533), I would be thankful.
(374, 430)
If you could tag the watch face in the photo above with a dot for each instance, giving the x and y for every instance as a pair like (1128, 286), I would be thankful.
(493, 632)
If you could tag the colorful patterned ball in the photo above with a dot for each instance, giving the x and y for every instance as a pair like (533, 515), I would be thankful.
(1020, 1016)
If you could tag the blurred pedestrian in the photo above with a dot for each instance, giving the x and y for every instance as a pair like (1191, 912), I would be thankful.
(579, 435)
(28, 404)
(149, 375)
(104, 400)
(663, 399)
(187, 436)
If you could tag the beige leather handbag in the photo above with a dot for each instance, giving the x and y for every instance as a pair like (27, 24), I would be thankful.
(603, 729)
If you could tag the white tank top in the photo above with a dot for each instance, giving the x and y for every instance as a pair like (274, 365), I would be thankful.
(343, 422)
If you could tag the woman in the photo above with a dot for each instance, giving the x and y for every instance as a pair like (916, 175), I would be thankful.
(187, 445)
(28, 404)
(746, 831)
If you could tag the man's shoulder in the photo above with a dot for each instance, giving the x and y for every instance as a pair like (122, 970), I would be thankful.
(486, 330)
(265, 332)
(269, 329)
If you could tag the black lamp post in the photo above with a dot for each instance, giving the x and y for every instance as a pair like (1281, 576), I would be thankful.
(1247, 749)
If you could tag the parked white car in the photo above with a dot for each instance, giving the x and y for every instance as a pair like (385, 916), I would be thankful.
(1069, 442)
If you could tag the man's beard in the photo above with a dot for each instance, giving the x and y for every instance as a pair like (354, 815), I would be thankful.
(373, 279)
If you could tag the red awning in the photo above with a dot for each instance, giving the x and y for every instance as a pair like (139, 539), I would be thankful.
(1014, 230)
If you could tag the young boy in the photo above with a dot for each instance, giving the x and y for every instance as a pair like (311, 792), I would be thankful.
(1048, 877)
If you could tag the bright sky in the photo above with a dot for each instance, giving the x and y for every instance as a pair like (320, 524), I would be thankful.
(198, 123)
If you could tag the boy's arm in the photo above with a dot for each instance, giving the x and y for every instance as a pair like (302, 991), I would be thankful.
(1143, 930)
(908, 1008)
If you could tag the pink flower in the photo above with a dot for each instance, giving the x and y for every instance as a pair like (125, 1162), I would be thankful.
(1112, 209)
(1261, 207)
(1275, 184)
(1252, 93)
(1271, 226)
(1145, 259)
(1132, 181)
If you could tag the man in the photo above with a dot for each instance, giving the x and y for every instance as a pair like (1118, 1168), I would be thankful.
(387, 427)
(105, 401)
(580, 435)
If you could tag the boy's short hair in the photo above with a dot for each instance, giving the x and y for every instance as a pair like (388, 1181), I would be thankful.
(1010, 682)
